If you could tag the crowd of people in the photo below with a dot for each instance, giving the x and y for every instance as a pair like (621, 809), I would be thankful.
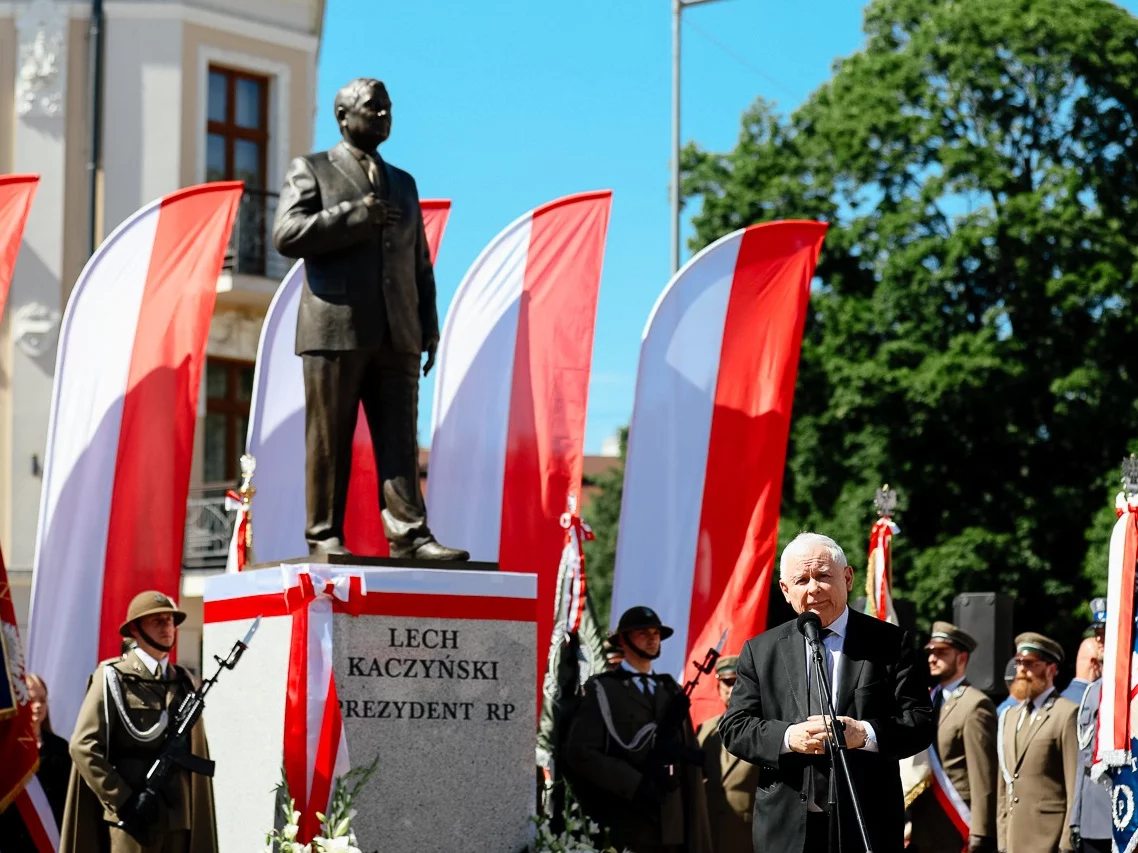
(937, 767)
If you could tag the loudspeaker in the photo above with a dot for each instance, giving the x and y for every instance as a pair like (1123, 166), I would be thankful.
(988, 618)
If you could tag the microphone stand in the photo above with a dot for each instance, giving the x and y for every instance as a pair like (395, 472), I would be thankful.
(836, 740)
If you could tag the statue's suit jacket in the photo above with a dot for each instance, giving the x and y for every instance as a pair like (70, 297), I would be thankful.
(362, 282)
(730, 783)
(1034, 807)
(880, 683)
(966, 746)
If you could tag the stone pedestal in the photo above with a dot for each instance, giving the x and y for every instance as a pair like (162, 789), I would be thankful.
(436, 679)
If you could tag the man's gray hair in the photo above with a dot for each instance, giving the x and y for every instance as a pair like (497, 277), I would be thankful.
(804, 542)
(351, 94)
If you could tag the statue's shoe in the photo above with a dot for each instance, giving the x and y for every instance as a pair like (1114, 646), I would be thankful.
(328, 546)
(429, 550)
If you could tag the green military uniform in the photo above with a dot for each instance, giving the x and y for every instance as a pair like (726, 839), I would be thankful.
(122, 727)
(617, 772)
(729, 783)
(1039, 766)
(965, 745)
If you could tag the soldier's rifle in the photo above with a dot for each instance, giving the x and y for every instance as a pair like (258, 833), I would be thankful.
(670, 749)
(176, 751)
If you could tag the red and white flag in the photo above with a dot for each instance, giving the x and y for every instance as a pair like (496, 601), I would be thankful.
(1118, 707)
(19, 787)
(510, 397)
(276, 430)
(707, 443)
(16, 194)
(120, 435)
(879, 574)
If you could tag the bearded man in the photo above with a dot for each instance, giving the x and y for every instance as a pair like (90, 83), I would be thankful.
(1039, 755)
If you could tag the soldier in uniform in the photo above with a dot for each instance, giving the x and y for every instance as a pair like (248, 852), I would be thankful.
(1039, 755)
(729, 782)
(1091, 816)
(965, 746)
(121, 729)
(631, 756)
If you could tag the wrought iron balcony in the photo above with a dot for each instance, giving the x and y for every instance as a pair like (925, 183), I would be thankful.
(251, 249)
(209, 528)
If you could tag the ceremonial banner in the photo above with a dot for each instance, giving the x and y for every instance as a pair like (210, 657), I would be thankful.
(707, 443)
(16, 194)
(120, 435)
(17, 738)
(576, 648)
(879, 571)
(509, 415)
(276, 430)
(1116, 745)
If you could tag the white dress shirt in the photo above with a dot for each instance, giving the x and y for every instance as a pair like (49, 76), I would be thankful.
(648, 686)
(945, 689)
(156, 667)
(834, 643)
(1038, 702)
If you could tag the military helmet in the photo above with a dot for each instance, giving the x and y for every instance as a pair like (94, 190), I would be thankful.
(636, 618)
(148, 603)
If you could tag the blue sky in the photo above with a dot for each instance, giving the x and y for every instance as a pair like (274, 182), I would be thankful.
(502, 105)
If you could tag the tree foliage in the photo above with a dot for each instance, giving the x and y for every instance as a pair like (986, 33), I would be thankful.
(602, 514)
(974, 309)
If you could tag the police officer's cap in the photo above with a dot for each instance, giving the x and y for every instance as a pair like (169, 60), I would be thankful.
(147, 604)
(946, 632)
(1046, 648)
(638, 618)
(1098, 611)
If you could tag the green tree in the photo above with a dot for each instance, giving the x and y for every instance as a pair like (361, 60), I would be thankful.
(603, 516)
(975, 295)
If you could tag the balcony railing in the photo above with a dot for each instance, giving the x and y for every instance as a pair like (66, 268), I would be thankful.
(209, 528)
(251, 249)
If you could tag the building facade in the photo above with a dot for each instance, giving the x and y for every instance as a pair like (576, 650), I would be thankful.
(193, 91)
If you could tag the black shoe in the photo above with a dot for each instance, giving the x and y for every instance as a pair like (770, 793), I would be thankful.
(328, 546)
(428, 550)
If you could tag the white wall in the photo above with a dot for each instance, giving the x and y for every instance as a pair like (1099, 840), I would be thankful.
(142, 119)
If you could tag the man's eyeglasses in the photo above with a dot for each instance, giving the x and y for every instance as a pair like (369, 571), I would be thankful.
(1029, 663)
(730, 682)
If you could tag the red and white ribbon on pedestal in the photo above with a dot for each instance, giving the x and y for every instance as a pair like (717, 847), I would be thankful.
(315, 750)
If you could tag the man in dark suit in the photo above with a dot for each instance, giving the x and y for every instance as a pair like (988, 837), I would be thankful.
(367, 314)
(774, 721)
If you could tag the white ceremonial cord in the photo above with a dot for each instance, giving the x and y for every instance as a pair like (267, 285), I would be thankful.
(645, 737)
(1000, 751)
(111, 682)
(1085, 735)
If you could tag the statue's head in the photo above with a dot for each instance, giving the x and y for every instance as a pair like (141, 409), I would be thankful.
(363, 112)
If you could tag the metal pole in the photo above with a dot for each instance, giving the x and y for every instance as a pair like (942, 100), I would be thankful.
(677, 9)
(95, 105)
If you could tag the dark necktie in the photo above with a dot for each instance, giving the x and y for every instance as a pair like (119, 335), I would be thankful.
(938, 701)
(1024, 725)
(644, 686)
(817, 779)
(371, 168)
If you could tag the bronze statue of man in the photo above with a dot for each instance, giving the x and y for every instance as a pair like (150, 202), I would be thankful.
(367, 314)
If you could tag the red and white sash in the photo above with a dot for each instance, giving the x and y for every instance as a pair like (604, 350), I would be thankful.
(948, 797)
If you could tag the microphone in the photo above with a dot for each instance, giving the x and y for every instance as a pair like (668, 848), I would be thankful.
(810, 626)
